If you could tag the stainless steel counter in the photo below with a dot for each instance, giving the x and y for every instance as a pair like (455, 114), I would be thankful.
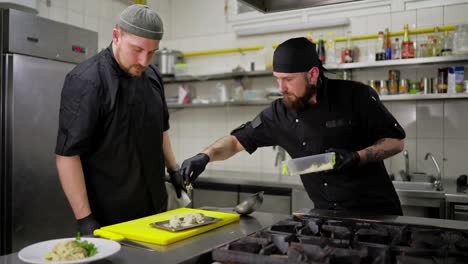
(188, 250)
(391, 219)
(454, 194)
(449, 193)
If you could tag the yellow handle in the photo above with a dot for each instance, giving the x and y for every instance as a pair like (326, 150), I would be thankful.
(107, 234)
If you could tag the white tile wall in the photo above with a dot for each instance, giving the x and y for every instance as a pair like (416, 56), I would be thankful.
(378, 22)
(99, 16)
(430, 119)
(455, 14)
(436, 126)
(456, 121)
(429, 17)
(399, 19)
(405, 113)
(455, 151)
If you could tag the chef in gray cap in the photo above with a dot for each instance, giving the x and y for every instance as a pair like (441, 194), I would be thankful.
(113, 144)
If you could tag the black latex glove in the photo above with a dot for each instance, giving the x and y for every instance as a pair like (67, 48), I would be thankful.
(87, 225)
(177, 181)
(345, 159)
(191, 168)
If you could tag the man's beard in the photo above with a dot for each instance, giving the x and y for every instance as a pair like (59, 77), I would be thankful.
(128, 69)
(134, 74)
(300, 103)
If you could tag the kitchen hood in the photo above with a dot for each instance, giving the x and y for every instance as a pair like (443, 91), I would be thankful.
(268, 6)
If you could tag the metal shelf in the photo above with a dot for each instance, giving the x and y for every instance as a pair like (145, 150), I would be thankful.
(401, 62)
(219, 104)
(384, 98)
(217, 76)
(417, 97)
(344, 66)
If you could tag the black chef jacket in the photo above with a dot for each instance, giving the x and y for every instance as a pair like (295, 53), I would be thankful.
(115, 123)
(348, 115)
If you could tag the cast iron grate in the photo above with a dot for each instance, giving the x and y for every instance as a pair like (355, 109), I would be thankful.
(346, 241)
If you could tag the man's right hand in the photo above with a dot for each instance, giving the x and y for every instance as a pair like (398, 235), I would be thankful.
(87, 225)
(191, 168)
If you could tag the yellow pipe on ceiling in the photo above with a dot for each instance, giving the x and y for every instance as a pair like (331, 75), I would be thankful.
(340, 39)
(222, 51)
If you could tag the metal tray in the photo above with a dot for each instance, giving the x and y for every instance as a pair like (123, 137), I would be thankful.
(165, 224)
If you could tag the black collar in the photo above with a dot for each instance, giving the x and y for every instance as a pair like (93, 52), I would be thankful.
(114, 64)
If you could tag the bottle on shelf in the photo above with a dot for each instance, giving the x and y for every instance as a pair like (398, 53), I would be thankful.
(380, 47)
(396, 49)
(330, 50)
(347, 54)
(388, 45)
(321, 49)
(447, 44)
(407, 46)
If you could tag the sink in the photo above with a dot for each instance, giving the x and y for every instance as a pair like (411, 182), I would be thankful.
(414, 186)
(417, 189)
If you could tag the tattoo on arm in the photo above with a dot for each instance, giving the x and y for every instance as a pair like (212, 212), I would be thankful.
(378, 152)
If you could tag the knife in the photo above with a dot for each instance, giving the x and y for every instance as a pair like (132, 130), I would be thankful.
(119, 238)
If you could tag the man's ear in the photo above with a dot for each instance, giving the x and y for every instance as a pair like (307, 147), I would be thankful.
(313, 74)
(116, 36)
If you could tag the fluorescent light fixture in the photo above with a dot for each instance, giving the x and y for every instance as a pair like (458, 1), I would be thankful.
(312, 24)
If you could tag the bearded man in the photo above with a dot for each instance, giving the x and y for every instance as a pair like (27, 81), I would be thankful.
(113, 140)
(317, 115)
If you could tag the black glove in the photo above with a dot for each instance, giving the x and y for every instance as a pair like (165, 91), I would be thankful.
(345, 159)
(177, 181)
(194, 166)
(87, 225)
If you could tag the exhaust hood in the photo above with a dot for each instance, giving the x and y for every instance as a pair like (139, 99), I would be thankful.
(268, 6)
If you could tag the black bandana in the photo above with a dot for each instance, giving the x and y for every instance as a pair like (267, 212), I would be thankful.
(295, 55)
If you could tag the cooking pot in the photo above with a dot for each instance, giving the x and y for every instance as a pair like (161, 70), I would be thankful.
(166, 59)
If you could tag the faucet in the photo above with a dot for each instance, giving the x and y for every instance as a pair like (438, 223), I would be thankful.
(407, 173)
(438, 180)
(280, 156)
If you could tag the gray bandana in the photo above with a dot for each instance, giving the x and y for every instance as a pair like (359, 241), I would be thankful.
(141, 21)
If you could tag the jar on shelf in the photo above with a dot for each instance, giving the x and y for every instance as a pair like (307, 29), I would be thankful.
(383, 88)
(392, 87)
(407, 50)
(426, 85)
(442, 80)
(414, 87)
(373, 84)
(394, 75)
(460, 40)
(403, 87)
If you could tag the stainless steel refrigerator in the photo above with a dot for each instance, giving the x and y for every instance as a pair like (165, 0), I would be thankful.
(36, 55)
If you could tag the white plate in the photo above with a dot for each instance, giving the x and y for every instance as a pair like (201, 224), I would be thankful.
(35, 253)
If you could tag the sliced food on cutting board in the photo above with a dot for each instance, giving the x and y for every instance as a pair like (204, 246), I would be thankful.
(143, 229)
(185, 221)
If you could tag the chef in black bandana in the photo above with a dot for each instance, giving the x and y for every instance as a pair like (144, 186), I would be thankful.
(318, 115)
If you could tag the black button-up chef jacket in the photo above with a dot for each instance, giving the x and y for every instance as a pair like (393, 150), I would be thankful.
(115, 123)
(348, 115)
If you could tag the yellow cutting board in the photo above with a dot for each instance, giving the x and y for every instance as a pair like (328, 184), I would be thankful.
(140, 229)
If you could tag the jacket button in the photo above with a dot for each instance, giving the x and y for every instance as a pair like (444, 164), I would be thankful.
(297, 120)
(325, 184)
(303, 143)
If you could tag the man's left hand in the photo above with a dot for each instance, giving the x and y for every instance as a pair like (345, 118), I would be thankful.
(345, 159)
(177, 181)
